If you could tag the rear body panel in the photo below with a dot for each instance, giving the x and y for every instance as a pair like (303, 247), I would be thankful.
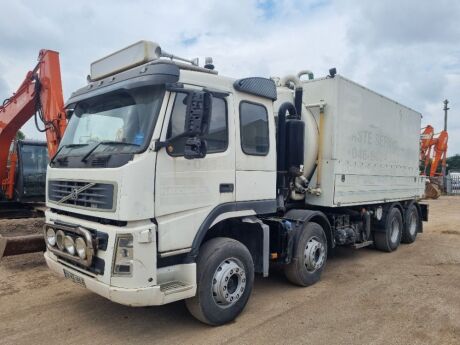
(370, 145)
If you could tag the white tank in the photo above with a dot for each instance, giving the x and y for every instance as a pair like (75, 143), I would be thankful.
(311, 142)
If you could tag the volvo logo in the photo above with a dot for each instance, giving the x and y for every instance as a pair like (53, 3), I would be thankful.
(74, 194)
(75, 191)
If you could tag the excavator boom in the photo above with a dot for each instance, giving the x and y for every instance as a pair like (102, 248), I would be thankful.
(40, 95)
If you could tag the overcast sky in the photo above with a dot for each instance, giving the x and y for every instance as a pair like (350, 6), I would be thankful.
(407, 50)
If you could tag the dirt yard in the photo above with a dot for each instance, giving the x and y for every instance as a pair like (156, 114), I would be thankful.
(411, 296)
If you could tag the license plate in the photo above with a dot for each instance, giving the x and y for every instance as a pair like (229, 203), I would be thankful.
(76, 279)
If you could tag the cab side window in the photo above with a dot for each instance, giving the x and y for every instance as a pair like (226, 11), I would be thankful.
(217, 137)
(254, 129)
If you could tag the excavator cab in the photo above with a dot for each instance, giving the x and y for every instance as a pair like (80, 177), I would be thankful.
(31, 170)
(27, 165)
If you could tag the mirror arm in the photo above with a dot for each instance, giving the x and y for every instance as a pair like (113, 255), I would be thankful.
(159, 144)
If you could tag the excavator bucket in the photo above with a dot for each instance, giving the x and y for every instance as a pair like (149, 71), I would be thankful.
(432, 191)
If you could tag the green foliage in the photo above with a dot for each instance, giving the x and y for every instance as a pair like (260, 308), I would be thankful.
(20, 135)
(453, 163)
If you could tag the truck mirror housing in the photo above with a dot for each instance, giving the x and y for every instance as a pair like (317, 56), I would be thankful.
(197, 117)
(195, 147)
(198, 113)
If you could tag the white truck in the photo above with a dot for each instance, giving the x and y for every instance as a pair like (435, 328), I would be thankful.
(173, 182)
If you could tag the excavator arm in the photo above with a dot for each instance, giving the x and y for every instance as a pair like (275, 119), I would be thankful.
(439, 152)
(433, 150)
(39, 95)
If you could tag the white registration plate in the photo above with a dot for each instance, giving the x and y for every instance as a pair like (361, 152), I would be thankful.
(76, 279)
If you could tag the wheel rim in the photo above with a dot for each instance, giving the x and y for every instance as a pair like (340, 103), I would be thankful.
(394, 230)
(228, 283)
(413, 223)
(314, 254)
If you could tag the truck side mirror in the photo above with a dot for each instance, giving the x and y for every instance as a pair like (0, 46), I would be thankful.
(197, 117)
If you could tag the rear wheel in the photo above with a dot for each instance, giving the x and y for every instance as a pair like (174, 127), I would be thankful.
(411, 224)
(225, 276)
(310, 256)
(389, 238)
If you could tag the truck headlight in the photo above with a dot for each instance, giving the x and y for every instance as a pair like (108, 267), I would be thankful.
(51, 237)
(80, 247)
(123, 263)
(60, 239)
(69, 245)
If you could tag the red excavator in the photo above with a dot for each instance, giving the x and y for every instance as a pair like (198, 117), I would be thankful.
(433, 150)
(39, 96)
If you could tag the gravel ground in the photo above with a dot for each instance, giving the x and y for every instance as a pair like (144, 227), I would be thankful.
(25, 226)
(411, 296)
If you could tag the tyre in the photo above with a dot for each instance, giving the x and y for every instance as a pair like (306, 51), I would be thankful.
(225, 276)
(310, 256)
(388, 238)
(411, 224)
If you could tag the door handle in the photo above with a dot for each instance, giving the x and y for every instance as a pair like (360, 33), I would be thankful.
(226, 188)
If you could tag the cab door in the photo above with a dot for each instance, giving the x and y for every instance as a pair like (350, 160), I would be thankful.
(187, 190)
(255, 149)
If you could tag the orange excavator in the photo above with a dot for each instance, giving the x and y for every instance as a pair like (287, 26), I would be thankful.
(433, 150)
(39, 96)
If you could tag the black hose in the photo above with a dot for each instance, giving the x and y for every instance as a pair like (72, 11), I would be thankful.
(298, 101)
(281, 179)
(39, 108)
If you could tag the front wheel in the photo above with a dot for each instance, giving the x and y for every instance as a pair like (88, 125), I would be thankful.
(225, 276)
(310, 256)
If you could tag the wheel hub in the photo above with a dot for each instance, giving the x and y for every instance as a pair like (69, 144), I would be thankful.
(314, 254)
(229, 282)
(413, 223)
(394, 230)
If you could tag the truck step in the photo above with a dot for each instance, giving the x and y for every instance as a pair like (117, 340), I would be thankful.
(174, 286)
(361, 245)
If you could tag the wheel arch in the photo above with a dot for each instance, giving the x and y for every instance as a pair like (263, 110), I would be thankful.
(223, 215)
(313, 216)
(380, 225)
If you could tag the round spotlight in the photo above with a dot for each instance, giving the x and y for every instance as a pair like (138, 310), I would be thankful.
(60, 239)
(69, 245)
(51, 237)
(80, 246)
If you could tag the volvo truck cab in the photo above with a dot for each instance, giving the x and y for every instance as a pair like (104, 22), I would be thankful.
(172, 182)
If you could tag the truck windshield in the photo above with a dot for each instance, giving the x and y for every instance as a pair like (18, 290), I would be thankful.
(121, 117)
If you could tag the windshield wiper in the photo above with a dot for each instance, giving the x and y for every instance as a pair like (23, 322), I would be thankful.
(105, 142)
(66, 146)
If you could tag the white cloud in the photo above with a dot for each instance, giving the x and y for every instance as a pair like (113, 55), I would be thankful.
(406, 50)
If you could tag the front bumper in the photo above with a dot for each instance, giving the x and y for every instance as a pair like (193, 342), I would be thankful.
(148, 285)
(132, 297)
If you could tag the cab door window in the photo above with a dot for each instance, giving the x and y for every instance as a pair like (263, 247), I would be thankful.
(254, 129)
(217, 137)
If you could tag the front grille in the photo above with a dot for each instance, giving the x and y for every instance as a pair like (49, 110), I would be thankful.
(93, 195)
